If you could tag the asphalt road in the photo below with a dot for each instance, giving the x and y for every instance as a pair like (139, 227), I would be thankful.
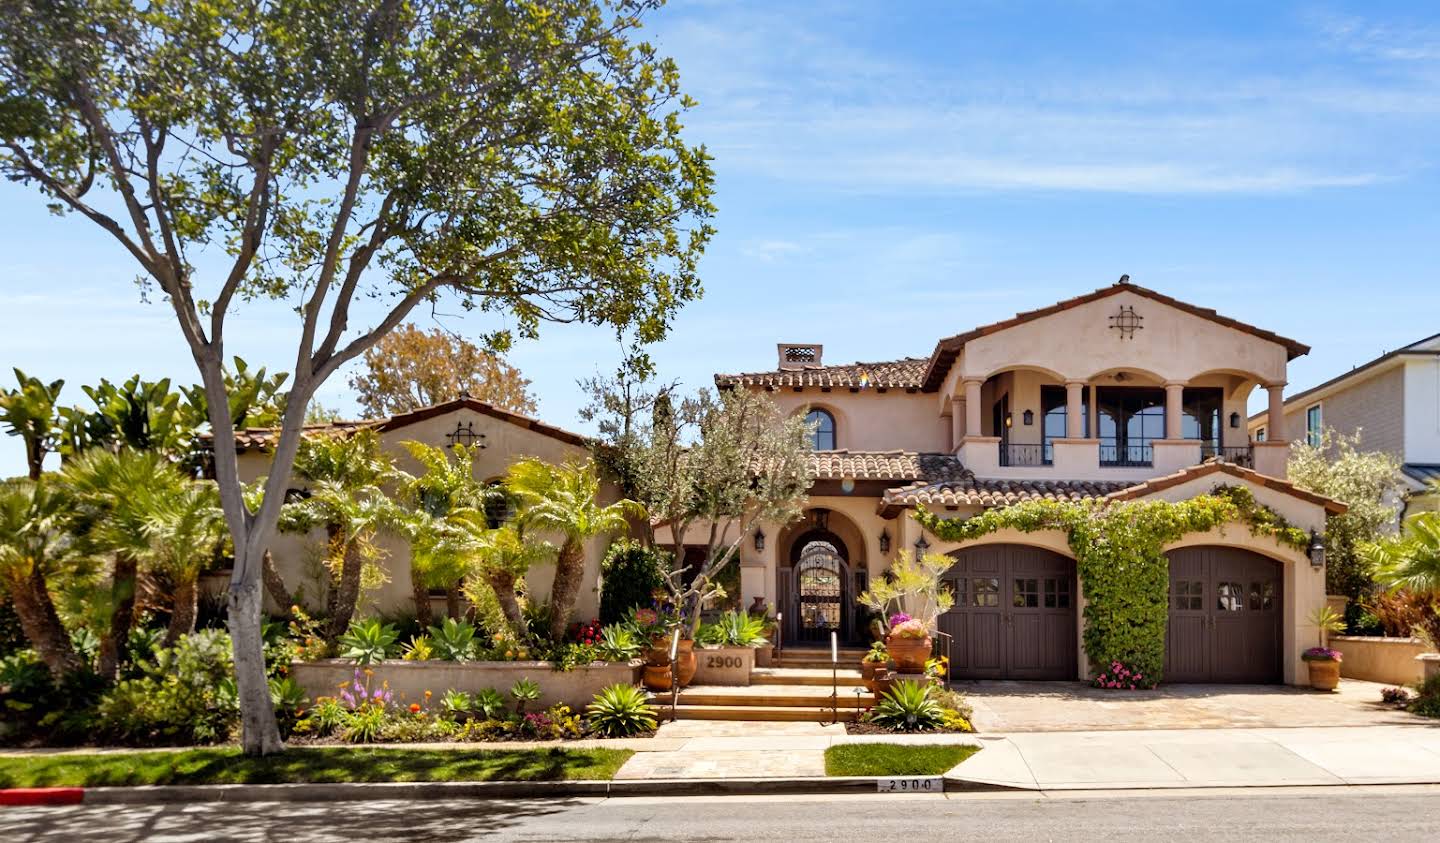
(1388, 814)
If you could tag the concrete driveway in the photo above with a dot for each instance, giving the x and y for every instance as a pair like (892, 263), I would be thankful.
(1009, 707)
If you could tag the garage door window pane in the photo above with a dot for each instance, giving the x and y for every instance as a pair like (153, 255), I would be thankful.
(1027, 594)
(1057, 593)
(1232, 596)
(986, 591)
(1189, 595)
(1262, 596)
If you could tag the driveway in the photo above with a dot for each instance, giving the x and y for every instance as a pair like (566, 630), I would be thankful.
(1075, 707)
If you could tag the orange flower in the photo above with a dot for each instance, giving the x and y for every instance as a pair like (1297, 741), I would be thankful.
(427, 695)
(414, 708)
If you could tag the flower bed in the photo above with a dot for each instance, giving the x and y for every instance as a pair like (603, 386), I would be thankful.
(409, 680)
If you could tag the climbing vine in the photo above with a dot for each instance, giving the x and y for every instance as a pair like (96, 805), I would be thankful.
(1120, 558)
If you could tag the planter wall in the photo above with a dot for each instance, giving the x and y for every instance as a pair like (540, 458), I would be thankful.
(723, 665)
(410, 680)
(1388, 660)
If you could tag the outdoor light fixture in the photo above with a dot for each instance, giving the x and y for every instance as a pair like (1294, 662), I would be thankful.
(1009, 420)
(921, 545)
(1317, 550)
(1234, 420)
(884, 541)
(465, 435)
(759, 539)
(1029, 417)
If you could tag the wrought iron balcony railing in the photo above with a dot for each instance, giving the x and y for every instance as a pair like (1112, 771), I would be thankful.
(1128, 456)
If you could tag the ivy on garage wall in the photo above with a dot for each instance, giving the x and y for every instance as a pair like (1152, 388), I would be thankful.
(1120, 558)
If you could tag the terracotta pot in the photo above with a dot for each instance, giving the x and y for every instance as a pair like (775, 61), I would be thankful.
(868, 670)
(687, 662)
(882, 680)
(657, 677)
(765, 656)
(909, 654)
(659, 653)
(1324, 675)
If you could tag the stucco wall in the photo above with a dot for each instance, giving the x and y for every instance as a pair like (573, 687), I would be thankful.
(875, 421)
(298, 557)
(410, 680)
(1388, 660)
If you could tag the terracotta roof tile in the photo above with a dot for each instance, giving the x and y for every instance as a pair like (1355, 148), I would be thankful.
(968, 490)
(1212, 466)
(891, 374)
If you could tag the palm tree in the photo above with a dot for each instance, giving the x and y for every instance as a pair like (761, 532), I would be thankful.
(115, 493)
(186, 527)
(29, 412)
(564, 500)
(33, 542)
(1411, 562)
(497, 556)
(446, 485)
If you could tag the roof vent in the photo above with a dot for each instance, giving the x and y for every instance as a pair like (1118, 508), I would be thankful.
(800, 355)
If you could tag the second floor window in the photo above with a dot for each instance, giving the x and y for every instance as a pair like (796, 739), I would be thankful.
(1313, 425)
(823, 438)
(1260, 434)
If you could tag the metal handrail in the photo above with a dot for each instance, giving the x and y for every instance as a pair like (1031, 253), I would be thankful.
(674, 674)
(949, 639)
(1022, 455)
(834, 679)
(1130, 456)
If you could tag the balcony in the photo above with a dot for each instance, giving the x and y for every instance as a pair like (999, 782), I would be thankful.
(1241, 455)
(1128, 456)
(1024, 456)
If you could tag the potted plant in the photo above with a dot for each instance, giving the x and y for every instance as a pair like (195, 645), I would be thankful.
(912, 589)
(909, 643)
(877, 659)
(764, 653)
(1324, 662)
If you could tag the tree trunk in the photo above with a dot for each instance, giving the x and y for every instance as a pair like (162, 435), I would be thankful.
(569, 571)
(260, 735)
(122, 592)
(187, 603)
(333, 541)
(346, 593)
(275, 584)
(42, 625)
(421, 591)
(452, 601)
(503, 584)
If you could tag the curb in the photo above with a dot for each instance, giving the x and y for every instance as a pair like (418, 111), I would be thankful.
(167, 794)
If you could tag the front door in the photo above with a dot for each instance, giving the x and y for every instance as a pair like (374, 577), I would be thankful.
(1014, 614)
(822, 603)
(1225, 606)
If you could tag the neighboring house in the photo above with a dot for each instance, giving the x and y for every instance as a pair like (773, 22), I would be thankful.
(1123, 393)
(1393, 402)
(503, 437)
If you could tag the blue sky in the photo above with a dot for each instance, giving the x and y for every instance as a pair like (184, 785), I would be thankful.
(890, 173)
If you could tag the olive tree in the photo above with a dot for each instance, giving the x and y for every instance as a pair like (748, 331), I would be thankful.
(357, 159)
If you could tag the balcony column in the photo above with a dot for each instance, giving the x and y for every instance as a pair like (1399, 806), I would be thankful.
(957, 422)
(1275, 424)
(1094, 412)
(1174, 400)
(972, 407)
(1074, 418)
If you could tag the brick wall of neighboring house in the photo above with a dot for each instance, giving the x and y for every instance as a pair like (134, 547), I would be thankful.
(1375, 405)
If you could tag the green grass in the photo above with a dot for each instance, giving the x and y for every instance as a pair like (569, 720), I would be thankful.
(893, 759)
(313, 764)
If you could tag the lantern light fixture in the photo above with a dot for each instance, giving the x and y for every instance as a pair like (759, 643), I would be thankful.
(921, 545)
(759, 539)
(1029, 417)
(1316, 550)
(884, 541)
(1234, 421)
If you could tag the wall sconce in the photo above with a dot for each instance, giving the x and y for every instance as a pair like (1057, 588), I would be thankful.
(921, 545)
(1316, 550)
(759, 539)
(884, 541)
(1009, 419)
(1029, 417)
(1234, 420)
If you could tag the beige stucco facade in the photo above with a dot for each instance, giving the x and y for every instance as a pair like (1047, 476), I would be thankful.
(507, 438)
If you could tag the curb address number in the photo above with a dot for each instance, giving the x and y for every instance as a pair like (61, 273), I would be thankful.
(932, 784)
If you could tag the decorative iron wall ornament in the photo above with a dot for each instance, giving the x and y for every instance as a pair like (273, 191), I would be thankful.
(465, 435)
(1127, 322)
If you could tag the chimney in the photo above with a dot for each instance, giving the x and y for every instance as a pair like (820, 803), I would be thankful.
(800, 355)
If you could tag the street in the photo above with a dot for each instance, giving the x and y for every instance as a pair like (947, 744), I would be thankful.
(1330, 813)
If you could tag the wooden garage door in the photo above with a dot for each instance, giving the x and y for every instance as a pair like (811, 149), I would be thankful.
(1225, 612)
(1014, 614)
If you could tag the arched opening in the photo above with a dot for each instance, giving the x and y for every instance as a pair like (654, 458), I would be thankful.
(821, 572)
(823, 424)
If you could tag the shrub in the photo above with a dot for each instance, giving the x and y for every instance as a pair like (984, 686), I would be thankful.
(1398, 613)
(187, 695)
(368, 641)
(1394, 696)
(453, 640)
(620, 711)
(619, 643)
(879, 653)
(289, 700)
(1120, 676)
(734, 629)
(567, 657)
(419, 649)
(631, 573)
(1427, 698)
(1320, 654)
(488, 703)
(524, 691)
(908, 707)
(457, 704)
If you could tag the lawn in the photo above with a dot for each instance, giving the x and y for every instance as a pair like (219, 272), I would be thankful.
(893, 759)
(337, 764)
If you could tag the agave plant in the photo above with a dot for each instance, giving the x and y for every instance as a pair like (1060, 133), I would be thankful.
(619, 643)
(453, 640)
(908, 707)
(368, 641)
(488, 703)
(620, 711)
(524, 691)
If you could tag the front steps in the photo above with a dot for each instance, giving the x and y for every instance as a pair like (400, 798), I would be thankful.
(775, 694)
(816, 658)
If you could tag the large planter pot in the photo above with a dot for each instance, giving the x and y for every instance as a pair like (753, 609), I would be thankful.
(909, 654)
(868, 669)
(1429, 665)
(881, 682)
(724, 665)
(687, 661)
(1324, 674)
(657, 677)
(765, 656)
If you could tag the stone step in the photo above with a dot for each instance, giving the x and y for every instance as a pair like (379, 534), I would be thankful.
(803, 676)
(767, 696)
(817, 664)
(755, 713)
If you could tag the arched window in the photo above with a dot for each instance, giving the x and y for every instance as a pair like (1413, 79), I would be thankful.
(824, 436)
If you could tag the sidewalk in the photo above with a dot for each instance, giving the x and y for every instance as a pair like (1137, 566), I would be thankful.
(1193, 758)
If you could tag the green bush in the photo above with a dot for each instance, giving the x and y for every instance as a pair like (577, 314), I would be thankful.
(908, 707)
(1427, 698)
(187, 695)
(453, 640)
(630, 575)
(368, 641)
(734, 629)
(620, 711)
(619, 643)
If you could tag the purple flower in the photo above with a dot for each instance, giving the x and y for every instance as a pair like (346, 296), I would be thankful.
(898, 618)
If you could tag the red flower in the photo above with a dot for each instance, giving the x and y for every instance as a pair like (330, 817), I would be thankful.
(414, 708)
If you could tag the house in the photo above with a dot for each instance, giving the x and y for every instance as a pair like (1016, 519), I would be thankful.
(1393, 402)
(502, 437)
(1123, 393)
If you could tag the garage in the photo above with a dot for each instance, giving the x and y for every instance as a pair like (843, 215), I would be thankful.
(1014, 614)
(1225, 614)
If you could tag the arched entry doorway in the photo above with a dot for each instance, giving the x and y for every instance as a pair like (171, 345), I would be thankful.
(818, 581)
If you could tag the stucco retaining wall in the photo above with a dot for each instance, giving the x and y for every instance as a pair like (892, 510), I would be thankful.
(410, 680)
(1388, 660)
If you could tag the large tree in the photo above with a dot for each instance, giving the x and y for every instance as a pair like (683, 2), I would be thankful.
(411, 368)
(525, 158)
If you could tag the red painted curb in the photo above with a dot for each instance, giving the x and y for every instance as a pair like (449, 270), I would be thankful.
(42, 795)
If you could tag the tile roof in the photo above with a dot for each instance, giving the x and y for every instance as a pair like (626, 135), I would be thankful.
(892, 374)
(1212, 466)
(1421, 472)
(969, 490)
(881, 465)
